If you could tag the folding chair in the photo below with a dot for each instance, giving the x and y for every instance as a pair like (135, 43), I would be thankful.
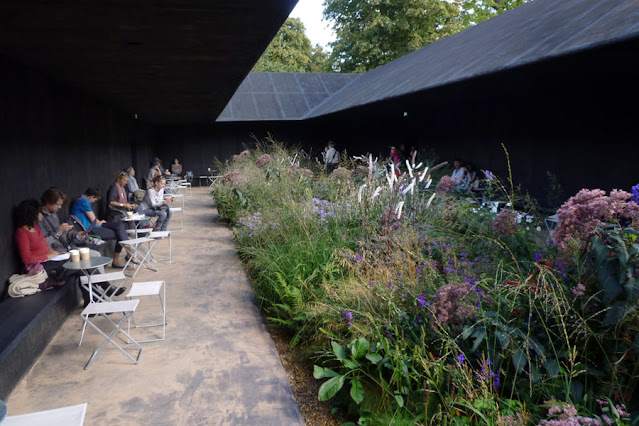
(551, 222)
(100, 293)
(65, 416)
(181, 211)
(160, 235)
(149, 288)
(103, 309)
(140, 253)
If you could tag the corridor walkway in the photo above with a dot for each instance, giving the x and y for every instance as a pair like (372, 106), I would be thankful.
(218, 365)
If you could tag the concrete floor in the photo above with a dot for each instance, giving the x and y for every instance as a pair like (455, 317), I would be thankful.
(218, 365)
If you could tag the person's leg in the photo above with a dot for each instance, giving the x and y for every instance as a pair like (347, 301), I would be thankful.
(165, 222)
(160, 224)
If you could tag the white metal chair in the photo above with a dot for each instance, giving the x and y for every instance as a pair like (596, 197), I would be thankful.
(104, 309)
(160, 235)
(551, 222)
(102, 294)
(149, 288)
(140, 252)
(181, 211)
(65, 416)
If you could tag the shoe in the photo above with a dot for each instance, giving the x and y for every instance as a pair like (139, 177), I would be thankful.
(135, 262)
(117, 292)
(147, 226)
(156, 228)
(117, 267)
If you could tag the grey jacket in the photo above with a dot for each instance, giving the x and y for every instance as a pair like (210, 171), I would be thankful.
(56, 239)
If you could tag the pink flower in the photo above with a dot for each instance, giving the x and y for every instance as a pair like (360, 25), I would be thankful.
(446, 184)
(263, 160)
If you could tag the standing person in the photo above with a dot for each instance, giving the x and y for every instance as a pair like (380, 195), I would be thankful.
(394, 155)
(176, 167)
(154, 203)
(81, 209)
(332, 158)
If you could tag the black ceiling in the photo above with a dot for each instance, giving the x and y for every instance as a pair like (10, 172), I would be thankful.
(170, 61)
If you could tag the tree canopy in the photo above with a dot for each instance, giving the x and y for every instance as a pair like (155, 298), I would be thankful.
(291, 51)
(371, 33)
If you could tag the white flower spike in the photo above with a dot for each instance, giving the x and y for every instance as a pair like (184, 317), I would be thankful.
(359, 194)
(430, 200)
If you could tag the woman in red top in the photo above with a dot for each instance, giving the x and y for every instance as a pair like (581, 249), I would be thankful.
(31, 243)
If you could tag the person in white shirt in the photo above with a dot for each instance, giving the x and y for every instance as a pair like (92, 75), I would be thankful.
(459, 173)
(154, 203)
(332, 158)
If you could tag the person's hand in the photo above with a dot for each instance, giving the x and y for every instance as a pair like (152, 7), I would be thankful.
(82, 234)
(65, 227)
(133, 206)
(52, 254)
(100, 222)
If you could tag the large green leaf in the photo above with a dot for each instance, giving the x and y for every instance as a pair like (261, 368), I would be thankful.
(322, 373)
(357, 390)
(576, 391)
(552, 366)
(519, 361)
(359, 348)
(375, 358)
(503, 338)
(614, 314)
(479, 334)
(330, 387)
(339, 351)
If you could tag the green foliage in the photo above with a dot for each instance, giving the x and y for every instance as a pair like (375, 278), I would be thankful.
(443, 315)
(372, 33)
(477, 11)
(291, 51)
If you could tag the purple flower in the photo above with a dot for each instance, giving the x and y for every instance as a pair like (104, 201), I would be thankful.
(358, 258)
(489, 175)
(460, 359)
(538, 257)
(348, 315)
(421, 299)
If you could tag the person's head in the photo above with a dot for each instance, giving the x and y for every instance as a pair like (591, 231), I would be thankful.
(175, 161)
(53, 199)
(158, 182)
(331, 144)
(458, 163)
(93, 194)
(28, 213)
(121, 178)
(393, 150)
(130, 171)
(402, 147)
(470, 167)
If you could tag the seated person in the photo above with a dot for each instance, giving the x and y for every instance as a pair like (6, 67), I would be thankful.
(32, 246)
(81, 209)
(176, 167)
(459, 172)
(153, 172)
(131, 184)
(61, 236)
(117, 200)
(154, 203)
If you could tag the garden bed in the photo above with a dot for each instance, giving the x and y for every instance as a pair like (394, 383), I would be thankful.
(418, 304)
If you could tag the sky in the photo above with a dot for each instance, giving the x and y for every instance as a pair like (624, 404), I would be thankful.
(317, 30)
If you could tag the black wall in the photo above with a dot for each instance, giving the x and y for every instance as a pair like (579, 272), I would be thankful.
(53, 135)
(574, 116)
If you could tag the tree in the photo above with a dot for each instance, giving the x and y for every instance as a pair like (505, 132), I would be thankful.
(291, 51)
(477, 11)
(370, 33)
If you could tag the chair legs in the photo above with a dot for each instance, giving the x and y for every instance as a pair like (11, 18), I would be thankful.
(150, 288)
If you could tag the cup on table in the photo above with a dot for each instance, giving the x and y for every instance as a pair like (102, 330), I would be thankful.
(75, 255)
(84, 253)
(129, 215)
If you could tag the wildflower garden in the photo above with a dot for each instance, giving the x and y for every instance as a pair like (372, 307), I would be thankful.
(420, 305)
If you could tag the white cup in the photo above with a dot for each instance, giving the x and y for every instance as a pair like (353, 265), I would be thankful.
(129, 215)
(75, 255)
(84, 253)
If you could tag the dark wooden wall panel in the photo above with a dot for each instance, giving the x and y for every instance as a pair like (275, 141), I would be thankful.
(55, 136)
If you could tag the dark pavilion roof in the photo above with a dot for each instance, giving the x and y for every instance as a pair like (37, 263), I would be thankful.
(534, 32)
(281, 96)
(169, 61)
